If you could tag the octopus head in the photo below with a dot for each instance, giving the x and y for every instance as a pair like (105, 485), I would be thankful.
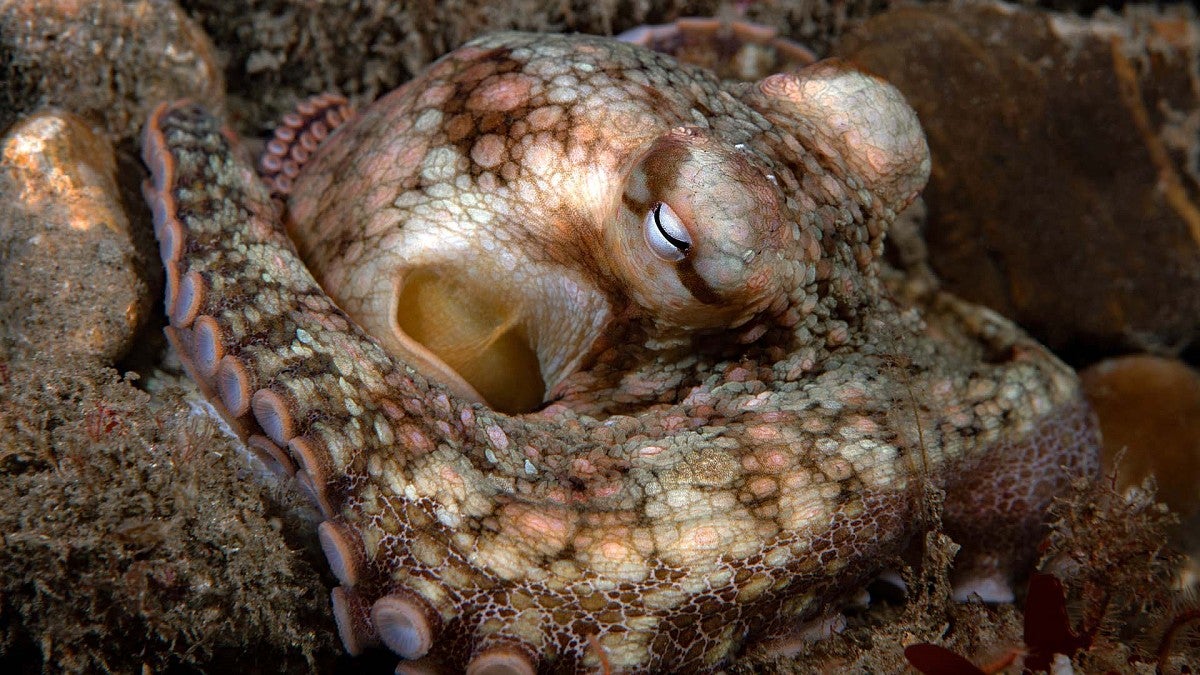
(699, 238)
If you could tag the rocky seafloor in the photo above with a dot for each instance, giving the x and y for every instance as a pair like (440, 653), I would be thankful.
(135, 535)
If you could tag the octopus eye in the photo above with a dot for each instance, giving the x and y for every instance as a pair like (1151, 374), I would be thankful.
(666, 234)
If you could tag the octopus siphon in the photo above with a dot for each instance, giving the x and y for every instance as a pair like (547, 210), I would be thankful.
(591, 362)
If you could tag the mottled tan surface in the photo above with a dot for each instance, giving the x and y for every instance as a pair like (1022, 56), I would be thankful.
(705, 477)
(68, 263)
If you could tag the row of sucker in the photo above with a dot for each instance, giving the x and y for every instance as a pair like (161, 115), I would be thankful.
(297, 137)
(269, 418)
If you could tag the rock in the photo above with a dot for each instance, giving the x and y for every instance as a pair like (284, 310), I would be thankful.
(1150, 417)
(109, 61)
(1149, 409)
(67, 259)
(1064, 189)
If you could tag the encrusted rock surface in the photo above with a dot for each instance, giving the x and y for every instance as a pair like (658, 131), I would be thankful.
(108, 61)
(69, 268)
(1065, 154)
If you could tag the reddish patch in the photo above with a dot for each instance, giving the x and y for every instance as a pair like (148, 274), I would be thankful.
(1048, 631)
(932, 659)
(501, 93)
(488, 152)
(101, 421)
(1048, 628)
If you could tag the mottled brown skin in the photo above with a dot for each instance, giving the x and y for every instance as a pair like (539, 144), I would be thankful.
(710, 471)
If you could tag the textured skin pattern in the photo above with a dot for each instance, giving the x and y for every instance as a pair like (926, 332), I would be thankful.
(685, 490)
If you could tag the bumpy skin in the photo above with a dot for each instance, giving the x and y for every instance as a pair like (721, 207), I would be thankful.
(688, 488)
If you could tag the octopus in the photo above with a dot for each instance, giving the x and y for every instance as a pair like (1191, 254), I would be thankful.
(591, 361)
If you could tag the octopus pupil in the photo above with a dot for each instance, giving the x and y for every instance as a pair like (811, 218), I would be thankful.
(683, 246)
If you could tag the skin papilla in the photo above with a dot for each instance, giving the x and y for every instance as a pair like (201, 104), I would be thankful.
(588, 359)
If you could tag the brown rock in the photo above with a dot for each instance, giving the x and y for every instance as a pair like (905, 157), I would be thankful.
(109, 61)
(1149, 410)
(1150, 407)
(67, 259)
(1064, 188)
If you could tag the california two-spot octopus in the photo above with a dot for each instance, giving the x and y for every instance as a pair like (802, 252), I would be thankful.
(588, 359)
